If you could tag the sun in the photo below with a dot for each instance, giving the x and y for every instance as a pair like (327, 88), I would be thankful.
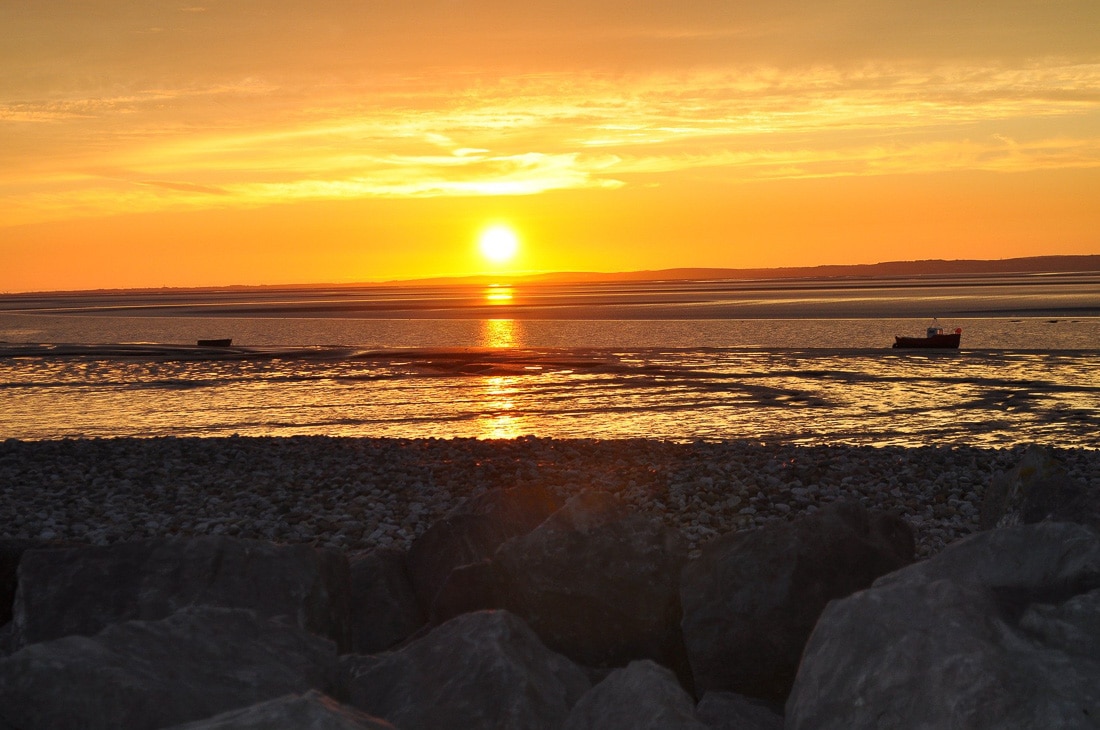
(498, 244)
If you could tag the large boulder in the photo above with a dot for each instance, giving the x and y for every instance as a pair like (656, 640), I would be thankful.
(81, 590)
(731, 711)
(1000, 630)
(384, 609)
(1038, 488)
(11, 552)
(471, 532)
(310, 711)
(641, 696)
(598, 583)
(479, 670)
(151, 674)
(752, 598)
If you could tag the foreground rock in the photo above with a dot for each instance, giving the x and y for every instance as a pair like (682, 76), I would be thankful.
(471, 533)
(1038, 488)
(384, 609)
(597, 583)
(751, 599)
(479, 670)
(152, 674)
(82, 590)
(731, 711)
(310, 711)
(641, 696)
(1000, 630)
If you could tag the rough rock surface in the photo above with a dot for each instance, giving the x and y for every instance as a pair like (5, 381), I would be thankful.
(384, 609)
(152, 674)
(471, 532)
(751, 599)
(731, 711)
(997, 631)
(598, 583)
(1038, 488)
(479, 670)
(310, 711)
(82, 590)
(641, 696)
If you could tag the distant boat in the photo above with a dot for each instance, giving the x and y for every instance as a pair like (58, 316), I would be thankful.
(216, 343)
(934, 338)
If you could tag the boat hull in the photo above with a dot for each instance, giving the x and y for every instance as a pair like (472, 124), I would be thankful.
(216, 343)
(934, 342)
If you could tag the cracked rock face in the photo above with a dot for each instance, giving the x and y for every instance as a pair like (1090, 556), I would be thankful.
(196, 663)
(997, 631)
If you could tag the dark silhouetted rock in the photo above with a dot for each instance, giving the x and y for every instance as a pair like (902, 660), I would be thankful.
(731, 711)
(151, 674)
(471, 533)
(1000, 630)
(479, 670)
(11, 551)
(79, 591)
(641, 696)
(1037, 489)
(752, 598)
(474, 587)
(384, 609)
(598, 583)
(310, 711)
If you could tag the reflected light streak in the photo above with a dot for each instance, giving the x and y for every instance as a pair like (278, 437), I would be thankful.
(499, 294)
(498, 333)
(499, 423)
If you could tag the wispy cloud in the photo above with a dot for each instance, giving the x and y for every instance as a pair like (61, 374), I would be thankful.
(255, 142)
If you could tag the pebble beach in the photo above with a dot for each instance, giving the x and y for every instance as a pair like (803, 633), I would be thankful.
(358, 494)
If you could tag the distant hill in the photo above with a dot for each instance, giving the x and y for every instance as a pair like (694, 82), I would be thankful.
(928, 267)
(908, 269)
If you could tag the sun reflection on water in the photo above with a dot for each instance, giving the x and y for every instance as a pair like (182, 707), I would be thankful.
(498, 421)
(498, 333)
(499, 294)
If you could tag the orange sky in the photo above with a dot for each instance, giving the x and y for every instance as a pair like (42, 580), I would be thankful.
(159, 143)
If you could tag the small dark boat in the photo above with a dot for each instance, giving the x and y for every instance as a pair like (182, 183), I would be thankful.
(216, 343)
(935, 338)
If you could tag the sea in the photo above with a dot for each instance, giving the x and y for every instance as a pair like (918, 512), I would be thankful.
(800, 361)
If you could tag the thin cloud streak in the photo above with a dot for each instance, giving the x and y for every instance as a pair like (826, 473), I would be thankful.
(549, 132)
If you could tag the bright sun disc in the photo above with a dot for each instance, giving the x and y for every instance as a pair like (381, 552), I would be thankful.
(498, 244)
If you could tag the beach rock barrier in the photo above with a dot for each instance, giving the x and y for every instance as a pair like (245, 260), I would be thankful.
(751, 599)
(588, 614)
(1001, 630)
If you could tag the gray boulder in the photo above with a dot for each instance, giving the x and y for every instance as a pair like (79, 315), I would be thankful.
(641, 696)
(731, 711)
(479, 670)
(752, 598)
(384, 610)
(598, 583)
(81, 590)
(999, 630)
(11, 551)
(151, 674)
(310, 711)
(471, 532)
(1038, 488)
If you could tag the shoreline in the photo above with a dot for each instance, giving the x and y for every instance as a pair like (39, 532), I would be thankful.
(359, 494)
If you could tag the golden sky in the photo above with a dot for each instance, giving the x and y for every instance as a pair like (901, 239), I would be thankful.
(161, 143)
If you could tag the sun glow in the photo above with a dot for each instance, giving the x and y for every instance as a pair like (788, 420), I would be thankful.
(498, 244)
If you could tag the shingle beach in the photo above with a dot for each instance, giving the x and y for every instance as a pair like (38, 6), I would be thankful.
(359, 494)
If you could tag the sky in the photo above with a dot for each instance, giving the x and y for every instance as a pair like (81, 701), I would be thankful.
(216, 142)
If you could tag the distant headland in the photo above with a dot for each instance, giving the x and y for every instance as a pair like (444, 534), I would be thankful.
(928, 267)
(890, 269)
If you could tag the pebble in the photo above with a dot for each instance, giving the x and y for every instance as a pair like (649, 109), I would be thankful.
(360, 494)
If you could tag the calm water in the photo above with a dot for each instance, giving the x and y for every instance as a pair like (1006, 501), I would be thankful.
(805, 362)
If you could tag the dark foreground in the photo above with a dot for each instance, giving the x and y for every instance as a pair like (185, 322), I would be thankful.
(519, 609)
